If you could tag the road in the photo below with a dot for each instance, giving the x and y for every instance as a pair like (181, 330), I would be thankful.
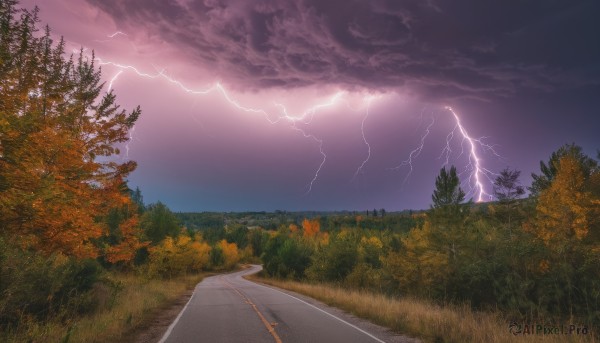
(229, 308)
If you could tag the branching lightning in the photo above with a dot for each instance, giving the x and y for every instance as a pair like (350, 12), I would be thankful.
(447, 150)
(476, 171)
(414, 153)
(320, 142)
(368, 100)
(305, 117)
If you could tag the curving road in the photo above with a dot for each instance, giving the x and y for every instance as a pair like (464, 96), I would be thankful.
(229, 308)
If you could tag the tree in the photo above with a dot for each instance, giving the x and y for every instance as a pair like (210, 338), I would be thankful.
(123, 240)
(230, 254)
(549, 170)
(58, 139)
(257, 239)
(447, 189)
(568, 209)
(179, 255)
(446, 210)
(310, 228)
(334, 261)
(158, 222)
(295, 258)
(370, 251)
(507, 190)
(138, 199)
(238, 235)
(419, 266)
(507, 187)
(568, 223)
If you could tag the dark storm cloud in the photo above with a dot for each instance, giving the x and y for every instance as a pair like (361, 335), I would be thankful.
(433, 48)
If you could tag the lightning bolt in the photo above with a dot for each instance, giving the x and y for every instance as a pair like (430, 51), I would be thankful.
(110, 37)
(320, 142)
(116, 34)
(477, 171)
(368, 100)
(110, 85)
(474, 166)
(131, 132)
(414, 153)
(114, 78)
(447, 150)
(305, 117)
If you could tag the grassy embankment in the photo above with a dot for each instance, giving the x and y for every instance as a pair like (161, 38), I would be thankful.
(125, 306)
(429, 322)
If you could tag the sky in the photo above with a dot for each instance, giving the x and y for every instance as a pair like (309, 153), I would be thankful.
(262, 105)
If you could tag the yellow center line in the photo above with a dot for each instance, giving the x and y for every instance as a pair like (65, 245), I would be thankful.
(269, 327)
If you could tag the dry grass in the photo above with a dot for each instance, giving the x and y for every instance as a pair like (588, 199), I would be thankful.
(429, 322)
(120, 313)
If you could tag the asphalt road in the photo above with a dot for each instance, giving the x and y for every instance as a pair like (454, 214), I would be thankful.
(228, 308)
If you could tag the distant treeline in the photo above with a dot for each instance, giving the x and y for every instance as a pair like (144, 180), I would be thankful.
(375, 219)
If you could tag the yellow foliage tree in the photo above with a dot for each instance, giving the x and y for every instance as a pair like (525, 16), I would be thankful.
(419, 265)
(567, 222)
(370, 250)
(568, 209)
(231, 254)
(179, 255)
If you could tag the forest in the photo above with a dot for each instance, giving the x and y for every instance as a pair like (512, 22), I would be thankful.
(69, 221)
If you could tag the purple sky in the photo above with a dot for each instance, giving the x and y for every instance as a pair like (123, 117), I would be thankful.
(330, 86)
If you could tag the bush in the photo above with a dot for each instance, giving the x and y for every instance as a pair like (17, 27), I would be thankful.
(178, 256)
(333, 262)
(286, 257)
(40, 287)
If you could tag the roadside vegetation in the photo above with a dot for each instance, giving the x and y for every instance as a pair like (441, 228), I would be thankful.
(82, 258)
(419, 318)
(124, 302)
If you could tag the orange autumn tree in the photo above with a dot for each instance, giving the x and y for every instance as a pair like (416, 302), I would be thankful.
(58, 139)
(310, 228)
(293, 228)
(128, 245)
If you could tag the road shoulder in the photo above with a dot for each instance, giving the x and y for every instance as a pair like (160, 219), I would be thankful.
(158, 321)
(379, 331)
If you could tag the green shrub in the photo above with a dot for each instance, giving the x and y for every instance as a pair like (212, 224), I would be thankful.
(38, 287)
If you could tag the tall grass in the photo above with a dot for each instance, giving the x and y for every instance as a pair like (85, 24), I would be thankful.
(122, 307)
(427, 321)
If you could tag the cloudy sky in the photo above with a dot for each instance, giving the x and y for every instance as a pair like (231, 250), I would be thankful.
(330, 105)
